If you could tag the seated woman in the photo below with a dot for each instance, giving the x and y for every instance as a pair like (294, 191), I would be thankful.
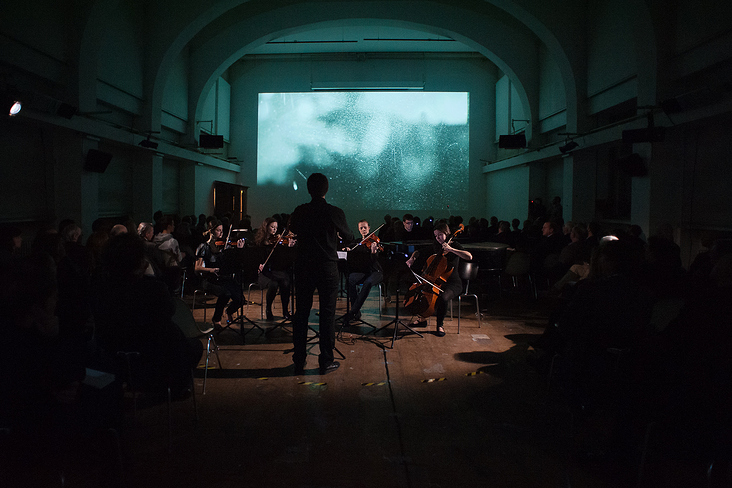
(274, 272)
(209, 260)
(454, 252)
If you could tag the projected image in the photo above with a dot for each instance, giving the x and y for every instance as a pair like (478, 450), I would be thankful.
(381, 150)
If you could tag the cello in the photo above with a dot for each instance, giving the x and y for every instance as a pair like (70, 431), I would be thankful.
(422, 295)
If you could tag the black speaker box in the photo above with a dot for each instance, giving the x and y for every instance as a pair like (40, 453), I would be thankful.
(210, 141)
(515, 141)
(633, 165)
(66, 111)
(97, 161)
(651, 134)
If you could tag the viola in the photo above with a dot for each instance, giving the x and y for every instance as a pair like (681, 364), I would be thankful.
(421, 298)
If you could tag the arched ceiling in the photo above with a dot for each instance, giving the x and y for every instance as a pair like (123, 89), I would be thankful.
(489, 31)
(218, 33)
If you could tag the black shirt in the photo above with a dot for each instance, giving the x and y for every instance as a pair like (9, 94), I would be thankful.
(316, 224)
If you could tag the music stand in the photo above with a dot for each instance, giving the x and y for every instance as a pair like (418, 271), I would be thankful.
(342, 318)
(397, 322)
(239, 257)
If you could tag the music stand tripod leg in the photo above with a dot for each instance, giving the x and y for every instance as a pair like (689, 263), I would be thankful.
(242, 316)
(397, 322)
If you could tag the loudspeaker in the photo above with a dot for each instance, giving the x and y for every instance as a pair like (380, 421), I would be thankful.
(210, 141)
(515, 141)
(650, 134)
(97, 161)
(66, 111)
(632, 165)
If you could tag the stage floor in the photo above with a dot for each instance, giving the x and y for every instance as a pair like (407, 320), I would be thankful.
(462, 410)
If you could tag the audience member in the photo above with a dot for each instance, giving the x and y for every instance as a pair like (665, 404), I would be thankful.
(133, 312)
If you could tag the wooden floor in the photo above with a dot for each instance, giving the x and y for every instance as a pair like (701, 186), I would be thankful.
(461, 410)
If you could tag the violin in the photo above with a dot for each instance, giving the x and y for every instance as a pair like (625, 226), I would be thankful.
(422, 296)
(224, 243)
(370, 239)
(285, 239)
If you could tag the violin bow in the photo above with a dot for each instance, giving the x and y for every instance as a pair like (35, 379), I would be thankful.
(366, 237)
(226, 244)
(279, 241)
(423, 280)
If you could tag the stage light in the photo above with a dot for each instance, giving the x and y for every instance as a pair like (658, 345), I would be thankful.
(568, 146)
(12, 104)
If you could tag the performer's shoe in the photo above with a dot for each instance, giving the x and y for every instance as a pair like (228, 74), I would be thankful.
(440, 332)
(217, 326)
(421, 323)
(332, 366)
(286, 315)
(299, 369)
(270, 317)
(229, 318)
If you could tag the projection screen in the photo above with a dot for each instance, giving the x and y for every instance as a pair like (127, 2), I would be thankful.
(381, 150)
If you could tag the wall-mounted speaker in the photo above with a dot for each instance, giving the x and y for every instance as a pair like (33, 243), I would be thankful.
(650, 134)
(65, 110)
(633, 165)
(97, 161)
(210, 141)
(512, 141)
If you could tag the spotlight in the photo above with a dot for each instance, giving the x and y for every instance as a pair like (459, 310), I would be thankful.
(568, 147)
(148, 143)
(12, 104)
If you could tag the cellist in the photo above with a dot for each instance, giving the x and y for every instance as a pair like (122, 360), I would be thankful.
(453, 252)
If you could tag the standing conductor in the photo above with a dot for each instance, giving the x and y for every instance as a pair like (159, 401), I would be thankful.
(317, 225)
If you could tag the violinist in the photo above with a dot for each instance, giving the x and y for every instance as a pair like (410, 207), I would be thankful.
(208, 264)
(274, 273)
(364, 269)
(454, 252)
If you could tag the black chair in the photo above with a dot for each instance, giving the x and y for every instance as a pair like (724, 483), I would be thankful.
(518, 266)
(183, 318)
(468, 271)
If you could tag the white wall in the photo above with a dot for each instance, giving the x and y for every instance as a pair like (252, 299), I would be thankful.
(507, 193)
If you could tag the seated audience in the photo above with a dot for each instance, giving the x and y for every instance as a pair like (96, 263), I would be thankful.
(133, 312)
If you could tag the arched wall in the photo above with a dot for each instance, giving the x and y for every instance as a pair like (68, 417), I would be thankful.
(506, 43)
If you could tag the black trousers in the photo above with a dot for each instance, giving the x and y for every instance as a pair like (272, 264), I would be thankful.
(271, 280)
(309, 277)
(225, 290)
(368, 281)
